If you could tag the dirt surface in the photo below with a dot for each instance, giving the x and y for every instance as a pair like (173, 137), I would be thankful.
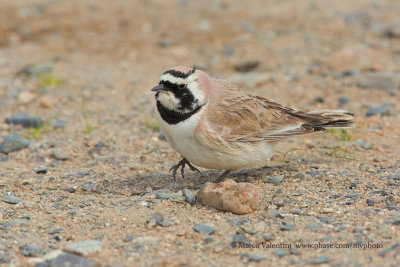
(90, 64)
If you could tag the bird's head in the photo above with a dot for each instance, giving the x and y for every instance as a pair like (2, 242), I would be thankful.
(181, 89)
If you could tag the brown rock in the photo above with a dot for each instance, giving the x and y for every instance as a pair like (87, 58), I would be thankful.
(238, 198)
(46, 102)
(26, 97)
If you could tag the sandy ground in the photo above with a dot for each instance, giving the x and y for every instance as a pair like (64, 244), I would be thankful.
(91, 64)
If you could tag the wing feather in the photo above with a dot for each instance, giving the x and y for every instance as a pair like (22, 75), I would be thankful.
(240, 117)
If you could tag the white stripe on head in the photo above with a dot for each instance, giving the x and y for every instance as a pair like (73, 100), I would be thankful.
(190, 81)
(168, 77)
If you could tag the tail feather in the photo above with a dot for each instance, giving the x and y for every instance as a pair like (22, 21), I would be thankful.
(326, 119)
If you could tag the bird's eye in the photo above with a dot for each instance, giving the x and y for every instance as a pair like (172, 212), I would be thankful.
(181, 86)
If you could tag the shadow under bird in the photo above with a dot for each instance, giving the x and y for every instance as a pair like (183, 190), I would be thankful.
(215, 125)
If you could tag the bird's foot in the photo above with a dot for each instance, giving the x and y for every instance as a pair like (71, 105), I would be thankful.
(181, 164)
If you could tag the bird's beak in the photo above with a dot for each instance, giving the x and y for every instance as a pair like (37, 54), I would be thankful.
(159, 88)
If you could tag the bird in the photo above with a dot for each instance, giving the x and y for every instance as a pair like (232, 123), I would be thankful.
(214, 124)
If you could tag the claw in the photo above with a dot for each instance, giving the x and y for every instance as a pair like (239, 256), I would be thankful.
(181, 164)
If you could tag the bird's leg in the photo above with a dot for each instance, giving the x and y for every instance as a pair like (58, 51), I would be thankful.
(181, 164)
(223, 176)
(193, 168)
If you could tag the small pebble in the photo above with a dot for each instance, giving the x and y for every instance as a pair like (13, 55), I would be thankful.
(10, 199)
(369, 202)
(31, 250)
(41, 170)
(60, 154)
(238, 238)
(25, 120)
(84, 248)
(276, 179)
(13, 143)
(157, 218)
(257, 257)
(280, 253)
(321, 260)
(352, 195)
(189, 196)
(89, 186)
(286, 227)
(204, 229)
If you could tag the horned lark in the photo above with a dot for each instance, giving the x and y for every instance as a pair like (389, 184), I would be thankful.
(215, 125)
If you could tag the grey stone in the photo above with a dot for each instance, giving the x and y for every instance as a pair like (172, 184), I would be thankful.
(271, 213)
(314, 226)
(25, 120)
(189, 196)
(286, 227)
(10, 199)
(208, 240)
(166, 223)
(369, 202)
(278, 202)
(166, 194)
(343, 100)
(267, 237)
(60, 154)
(13, 143)
(257, 257)
(31, 250)
(85, 247)
(396, 176)
(41, 170)
(280, 253)
(276, 179)
(388, 81)
(321, 260)
(204, 229)
(89, 186)
(352, 195)
(239, 238)
(16, 222)
(55, 231)
(59, 123)
(156, 217)
(382, 110)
